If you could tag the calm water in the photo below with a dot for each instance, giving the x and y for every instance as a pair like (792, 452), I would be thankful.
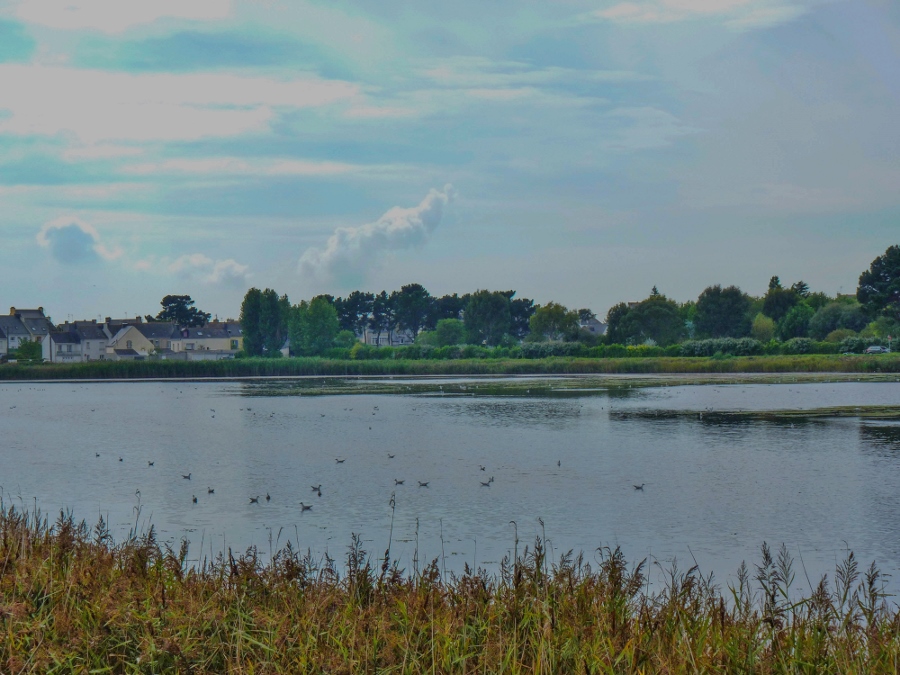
(716, 488)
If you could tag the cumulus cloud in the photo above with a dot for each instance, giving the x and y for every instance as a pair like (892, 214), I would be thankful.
(71, 241)
(351, 250)
(200, 267)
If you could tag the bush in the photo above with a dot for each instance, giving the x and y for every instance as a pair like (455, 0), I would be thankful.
(729, 346)
(857, 345)
(840, 335)
(797, 346)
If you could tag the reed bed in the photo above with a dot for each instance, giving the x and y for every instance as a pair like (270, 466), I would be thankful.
(314, 366)
(72, 600)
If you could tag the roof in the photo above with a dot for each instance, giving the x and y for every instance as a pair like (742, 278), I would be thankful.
(2, 334)
(215, 330)
(63, 338)
(89, 331)
(156, 330)
(37, 325)
(28, 313)
(12, 326)
(126, 352)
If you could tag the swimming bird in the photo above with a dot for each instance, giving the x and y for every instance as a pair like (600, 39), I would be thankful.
(558, 463)
(317, 487)
(398, 482)
(339, 460)
(268, 498)
(639, 487)
(150, 463)
(254, 500)
(210, 491)
(120, 459)
(425, 484)
(194, 499)
(481, 466)
(390, 456)
(491, 479)
(188, 477)
(485, 484)
(304, 507)
(96, 454)
(319, 493)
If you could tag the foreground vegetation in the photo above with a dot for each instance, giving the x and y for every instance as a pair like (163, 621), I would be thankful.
(73, 601)
(315, 366)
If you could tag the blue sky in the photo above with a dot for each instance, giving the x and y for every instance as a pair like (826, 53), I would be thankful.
(580, 151)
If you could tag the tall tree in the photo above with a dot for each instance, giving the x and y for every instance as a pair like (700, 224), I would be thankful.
(722, 313)
(413, 306)
(796, 322)
(446, 307)
(657, 318)
(554, 322)
(270, 323)
(354, 311)
(778, 302)
(879, 286)
(520, 312)
(250, 328)
(181, 310)
(487, 317)
(383, 318)
(614, 324)
(313, 326)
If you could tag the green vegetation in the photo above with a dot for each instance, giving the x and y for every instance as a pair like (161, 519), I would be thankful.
(71, 600)
(28, 351)
(181, 310)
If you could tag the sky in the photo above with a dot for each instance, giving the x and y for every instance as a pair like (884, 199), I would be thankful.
(577, 151)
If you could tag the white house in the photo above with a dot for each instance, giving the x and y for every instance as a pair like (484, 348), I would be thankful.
(389, 338)
(65, 348)
(15, 332)
(37, 325)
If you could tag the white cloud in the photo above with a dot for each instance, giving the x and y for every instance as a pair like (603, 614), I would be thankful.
(71, 240)
(234, 166)
(354, 249)
(198, 266)
(116, 16)
(98, 106)
(738, 14)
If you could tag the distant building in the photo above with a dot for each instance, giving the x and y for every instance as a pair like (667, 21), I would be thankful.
(142, 338)
(37, 325)
(593, 326)
(388, 338)
(65, 347)
(92, 340)
(15, 332)
(223, 337)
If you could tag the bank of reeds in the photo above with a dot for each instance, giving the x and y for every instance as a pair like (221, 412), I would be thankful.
(310, 366)
(73, 601)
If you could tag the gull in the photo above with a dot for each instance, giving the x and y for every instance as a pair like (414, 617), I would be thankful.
(188, 477)
(317, 488)
(339, 460)
(150, 463)
(120, 459)
(210, 490)
(481, 466)
(485, 484)
(398, 481)
(304, 507)
(268, 498)
(194, 499)
(96, 454)
(639, 487)
(425, 484)
(254, 500)
(390, 456)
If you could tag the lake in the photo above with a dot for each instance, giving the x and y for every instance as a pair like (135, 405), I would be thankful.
(724, 466)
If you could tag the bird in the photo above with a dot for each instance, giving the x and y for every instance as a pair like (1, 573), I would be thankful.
(317, 488)
(390, 456)
(212, 410)
(150, 463)
(194, 499)
(268, 498)
(398, 482)
(485, 483)
(639, 487)
(254, 500)
(481, 466)
(558, 463)
(96, 454)
(120, 459)
(319, 493)
(425, 484)
(491, 479)
(304, 507)
(188, 477)
(210, 490)
(339, 460)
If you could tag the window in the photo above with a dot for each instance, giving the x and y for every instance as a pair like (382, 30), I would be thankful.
(69, 348)
(234, 344)
(128, 344)
(58, 349)
(189, 345)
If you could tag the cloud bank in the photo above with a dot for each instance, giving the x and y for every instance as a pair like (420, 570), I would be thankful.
(200, 267)
(73, 241)
(352, 250)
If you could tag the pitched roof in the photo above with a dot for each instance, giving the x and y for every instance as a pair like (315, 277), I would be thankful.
(89, 331)
(126, 352)
(63, 338)
(37, 325)
(12, 326)
(214, 329)
(157, 330)
(28, 313)
(2, 334)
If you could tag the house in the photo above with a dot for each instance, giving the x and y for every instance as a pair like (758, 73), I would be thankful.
(38, 326)
(391, 338)
(15, 332)
(3, 344)
(141, 338)
(113, 326)
(92, 339)
(593, 326)
(224, 337)
(65, 347)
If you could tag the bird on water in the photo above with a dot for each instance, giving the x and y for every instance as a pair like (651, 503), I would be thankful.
(425, 484)
(194, 499)
(254, 500)
(188, 477)
(304, 507)
(639, 487)
(398, 481)
(210, 490)
(317, 488)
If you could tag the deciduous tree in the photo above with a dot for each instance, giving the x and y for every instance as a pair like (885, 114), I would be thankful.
(879, 286)
(722, 313)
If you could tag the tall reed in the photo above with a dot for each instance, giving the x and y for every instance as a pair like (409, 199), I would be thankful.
(72, 600)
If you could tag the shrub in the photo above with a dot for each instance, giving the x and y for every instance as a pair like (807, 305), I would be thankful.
(797, 346)
(840, 335)
(729, 346)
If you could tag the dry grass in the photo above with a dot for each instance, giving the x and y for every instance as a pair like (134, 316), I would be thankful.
(73, 601)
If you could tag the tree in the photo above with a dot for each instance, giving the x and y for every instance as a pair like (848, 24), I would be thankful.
(657, 318)
(412, 305)
(614, 318)
(778, 302)
(796, 322)
(837, 316)
(250, 328)
(520, 312)
(879, 286)
(487, 317)
(345, 339)
(449, 332)
(383, 317)
(801, 288)
(446, 307)
(763, 328)
(181, 310)
(774, 283)
(585, 315)
(272, 328)
(29, 350)
(554, 322)
(354, 311)
(722, 313)
(313, 326)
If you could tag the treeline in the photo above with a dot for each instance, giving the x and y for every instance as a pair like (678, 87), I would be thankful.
(785, 320)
